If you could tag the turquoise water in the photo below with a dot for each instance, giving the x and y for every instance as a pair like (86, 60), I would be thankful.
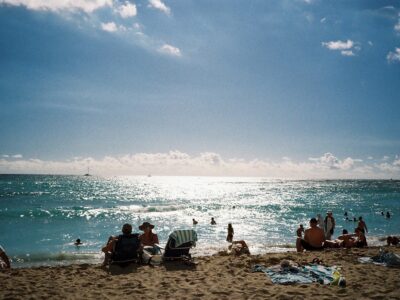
(41, 216)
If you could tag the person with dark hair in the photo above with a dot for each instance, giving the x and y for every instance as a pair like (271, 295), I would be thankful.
(78, 242)
(313, 238)
(392, 240)
(195, 222)
(4, 260)
(347, 239)
(300, 231)
(387, 215)
(122, 247)
(361, 240)
(148, 238)
(362, 226)
(229, 237)
(213, 221)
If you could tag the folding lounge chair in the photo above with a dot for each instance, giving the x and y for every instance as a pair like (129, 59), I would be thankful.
(179, 244)
(126, 250)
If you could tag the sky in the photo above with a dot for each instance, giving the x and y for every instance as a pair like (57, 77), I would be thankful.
(280, 88)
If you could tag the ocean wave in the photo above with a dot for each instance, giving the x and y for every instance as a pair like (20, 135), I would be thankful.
(50, 259)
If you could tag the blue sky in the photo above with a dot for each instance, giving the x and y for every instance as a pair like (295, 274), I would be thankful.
(305, 82)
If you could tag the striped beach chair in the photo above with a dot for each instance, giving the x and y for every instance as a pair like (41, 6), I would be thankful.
(179, 244)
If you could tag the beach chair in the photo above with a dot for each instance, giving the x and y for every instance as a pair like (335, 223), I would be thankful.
(126, 250)
(179, 244)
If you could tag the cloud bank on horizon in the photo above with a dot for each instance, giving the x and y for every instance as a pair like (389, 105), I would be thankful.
(176, 163)
(267, 79)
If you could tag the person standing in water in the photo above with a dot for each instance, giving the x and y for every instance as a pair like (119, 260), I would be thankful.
(300, 231)
(213, 221)
(362, 226)
(329, 225)
(194, 222)
(229, 238)
(320, 221)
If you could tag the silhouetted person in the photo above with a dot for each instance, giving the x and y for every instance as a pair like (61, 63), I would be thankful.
(388, 215)
(194, 222)
(213, 222)
(78, 242)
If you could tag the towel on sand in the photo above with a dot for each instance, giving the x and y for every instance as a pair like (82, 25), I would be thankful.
(293, 274)
(388, 259)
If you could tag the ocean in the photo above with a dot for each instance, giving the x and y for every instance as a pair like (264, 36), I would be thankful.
(42, 215)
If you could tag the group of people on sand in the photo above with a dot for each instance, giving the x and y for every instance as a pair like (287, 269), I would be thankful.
(147, 238)
(319, 235)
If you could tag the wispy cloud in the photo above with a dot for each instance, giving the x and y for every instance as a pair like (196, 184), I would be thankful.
(393, 57)
(346, 48)
(170, 50)
(87, 6)
(158, 4)
(208, 164)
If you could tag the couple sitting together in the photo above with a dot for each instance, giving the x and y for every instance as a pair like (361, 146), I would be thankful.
(129, 246)
(314, 239)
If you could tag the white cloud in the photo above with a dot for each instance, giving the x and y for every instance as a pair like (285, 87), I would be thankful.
(347, 53)
(323, 20)
(338, 45)
(170, 50)
(206, 164)
(87, 6)
(370, 43)
(127, 10)
(110, 27)
(346, 48)
(158, 4)
(393, 57)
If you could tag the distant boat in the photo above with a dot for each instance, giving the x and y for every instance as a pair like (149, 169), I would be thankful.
(88, 173)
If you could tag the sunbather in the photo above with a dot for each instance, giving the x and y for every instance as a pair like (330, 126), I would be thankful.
(392, 240)
(122, 247)
(313, 238)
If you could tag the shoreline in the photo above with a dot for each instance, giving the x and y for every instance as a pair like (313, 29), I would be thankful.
(219, 276)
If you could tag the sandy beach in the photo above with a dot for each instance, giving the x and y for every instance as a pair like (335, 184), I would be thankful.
(220, 276)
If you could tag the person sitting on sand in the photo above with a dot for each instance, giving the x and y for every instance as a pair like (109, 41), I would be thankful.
(392, 240)
(78, 242)
(361, 240)
(130, 241)
(347, 239)
(300, 231)
(229, 238)
(148, 238)
(362, 226)
(239, 248)
(213, 222)
(4, 260)
(313, 238)
(194, 222)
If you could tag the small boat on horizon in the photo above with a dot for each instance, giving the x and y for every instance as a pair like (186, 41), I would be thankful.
(88, 173)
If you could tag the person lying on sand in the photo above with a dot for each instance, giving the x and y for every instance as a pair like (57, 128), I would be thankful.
(392, 240)
(4, 260)
(238, 248)
(314, 238)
